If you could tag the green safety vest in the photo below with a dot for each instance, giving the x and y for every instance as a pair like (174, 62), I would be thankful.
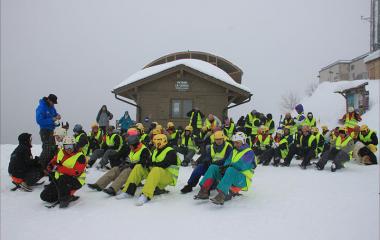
(216, 156)
(85, 148)
(98, 135)
(250, 121)
(319, 148)
(142, 138)
(310, 123)
(293, 128)
(350, 123)
(134, 157)
(236, 156)
(298, 119)
(110, 141)
(173, 170)
(199, 119)
(311, 139)
(70, 163)
(367, 138)
(339, 144)
(264, 143)
(229, 131)
(173, 135)
(190, 144)
(267, 124)
(284, 152)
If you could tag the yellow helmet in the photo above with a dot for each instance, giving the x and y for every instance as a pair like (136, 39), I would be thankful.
(314, 130)
(204, 129)
(364, 128)
(158, 126)
(140, 127)
(189, 128)
(219, 135)
(156, 131)
(94, 125)
(170, 125)
(324, 128)
(160, 140)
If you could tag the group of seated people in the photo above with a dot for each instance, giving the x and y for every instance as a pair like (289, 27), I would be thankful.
(227, 155)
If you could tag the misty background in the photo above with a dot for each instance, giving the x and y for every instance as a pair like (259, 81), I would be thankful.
(81, 49)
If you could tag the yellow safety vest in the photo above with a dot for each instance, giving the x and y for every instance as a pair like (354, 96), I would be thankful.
(350, 123)
(134, 157)
(229, 131)
(236, 156)
(70, 163)
(110, 141)
(190, 144)
(339, 144)
(173, 135)
(284, 152)
(310, 123)
(85, 147)
(216, 156)
(367, 138)
(267, 124)
(264, 143)
(199, 119)
(142, 138)
(173, 170)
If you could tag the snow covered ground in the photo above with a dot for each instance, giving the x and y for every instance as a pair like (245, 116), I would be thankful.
(284, 203)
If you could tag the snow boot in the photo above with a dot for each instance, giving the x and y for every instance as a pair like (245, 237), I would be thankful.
(333, 167)
(142, 200)
(64, 202)
(202, 194)
(186, 189)
(94, 186)
(159, 191)
(110, 191)
(219, 198)
(123, 195)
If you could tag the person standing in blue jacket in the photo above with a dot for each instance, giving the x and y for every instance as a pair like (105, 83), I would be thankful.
(47, 118)
(125, 122)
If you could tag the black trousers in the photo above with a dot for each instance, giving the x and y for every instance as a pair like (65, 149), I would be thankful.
(366, 152)
(60, 188)
(307, 155)
(48, 146)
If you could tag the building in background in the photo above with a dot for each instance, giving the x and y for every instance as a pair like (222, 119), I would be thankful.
(373, 65)
(344, 70)
(169, 87)
(356, 97)
(375, 25)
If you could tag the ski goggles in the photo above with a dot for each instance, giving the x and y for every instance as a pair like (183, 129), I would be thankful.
(68, 146)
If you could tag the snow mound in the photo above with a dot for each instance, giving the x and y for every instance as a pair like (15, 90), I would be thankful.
(328, 106)
(196, 64)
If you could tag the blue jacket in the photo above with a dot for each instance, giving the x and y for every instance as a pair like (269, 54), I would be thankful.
(125, 123)
(45, 115)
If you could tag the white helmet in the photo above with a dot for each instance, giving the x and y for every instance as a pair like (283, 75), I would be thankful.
(351, 109)
(60, 132)
(239, 136)
(68, 140)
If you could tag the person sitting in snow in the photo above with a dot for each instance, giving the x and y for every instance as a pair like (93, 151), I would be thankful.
(187, 146)
(144, 137)
(160, 172)
(289, 123)
(229, 128)
(340, 151)
(369, 139)
(236, 173)
(67, 171)
(269, 123)
(24, 170)
(173, 134)
(350, 119)
(280, 147)
(81, 139)
(319, 139)
(310, 120)
(118, 175)
(262, 146)
(216, 154)
(305, 147)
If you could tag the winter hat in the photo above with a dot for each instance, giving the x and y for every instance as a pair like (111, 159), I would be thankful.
(299, 108)
(53, 98)
(351, 109)
(134, 139)
(24, 138)
(269, 116)
(77, 128)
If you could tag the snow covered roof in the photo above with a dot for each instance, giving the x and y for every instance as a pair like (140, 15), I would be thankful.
(195, 64)
(372, 56)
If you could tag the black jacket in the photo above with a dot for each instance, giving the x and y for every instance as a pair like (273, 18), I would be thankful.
(21, 158)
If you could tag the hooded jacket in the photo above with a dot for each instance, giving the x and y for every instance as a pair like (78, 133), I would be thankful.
(45, 114)
(21, 158)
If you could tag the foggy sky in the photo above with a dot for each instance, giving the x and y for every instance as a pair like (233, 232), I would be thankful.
(81, 49)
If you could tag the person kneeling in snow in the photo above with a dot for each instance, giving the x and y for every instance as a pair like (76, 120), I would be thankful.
(67, 170)
(340, 151)
(160, 172)
(236, 173)
(25, 170)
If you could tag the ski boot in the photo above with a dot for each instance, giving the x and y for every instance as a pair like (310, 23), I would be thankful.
(219, 198)
(203, 194)
(110, 191)
(186, 189)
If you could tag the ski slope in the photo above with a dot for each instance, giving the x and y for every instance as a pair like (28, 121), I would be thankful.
(284, 203)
